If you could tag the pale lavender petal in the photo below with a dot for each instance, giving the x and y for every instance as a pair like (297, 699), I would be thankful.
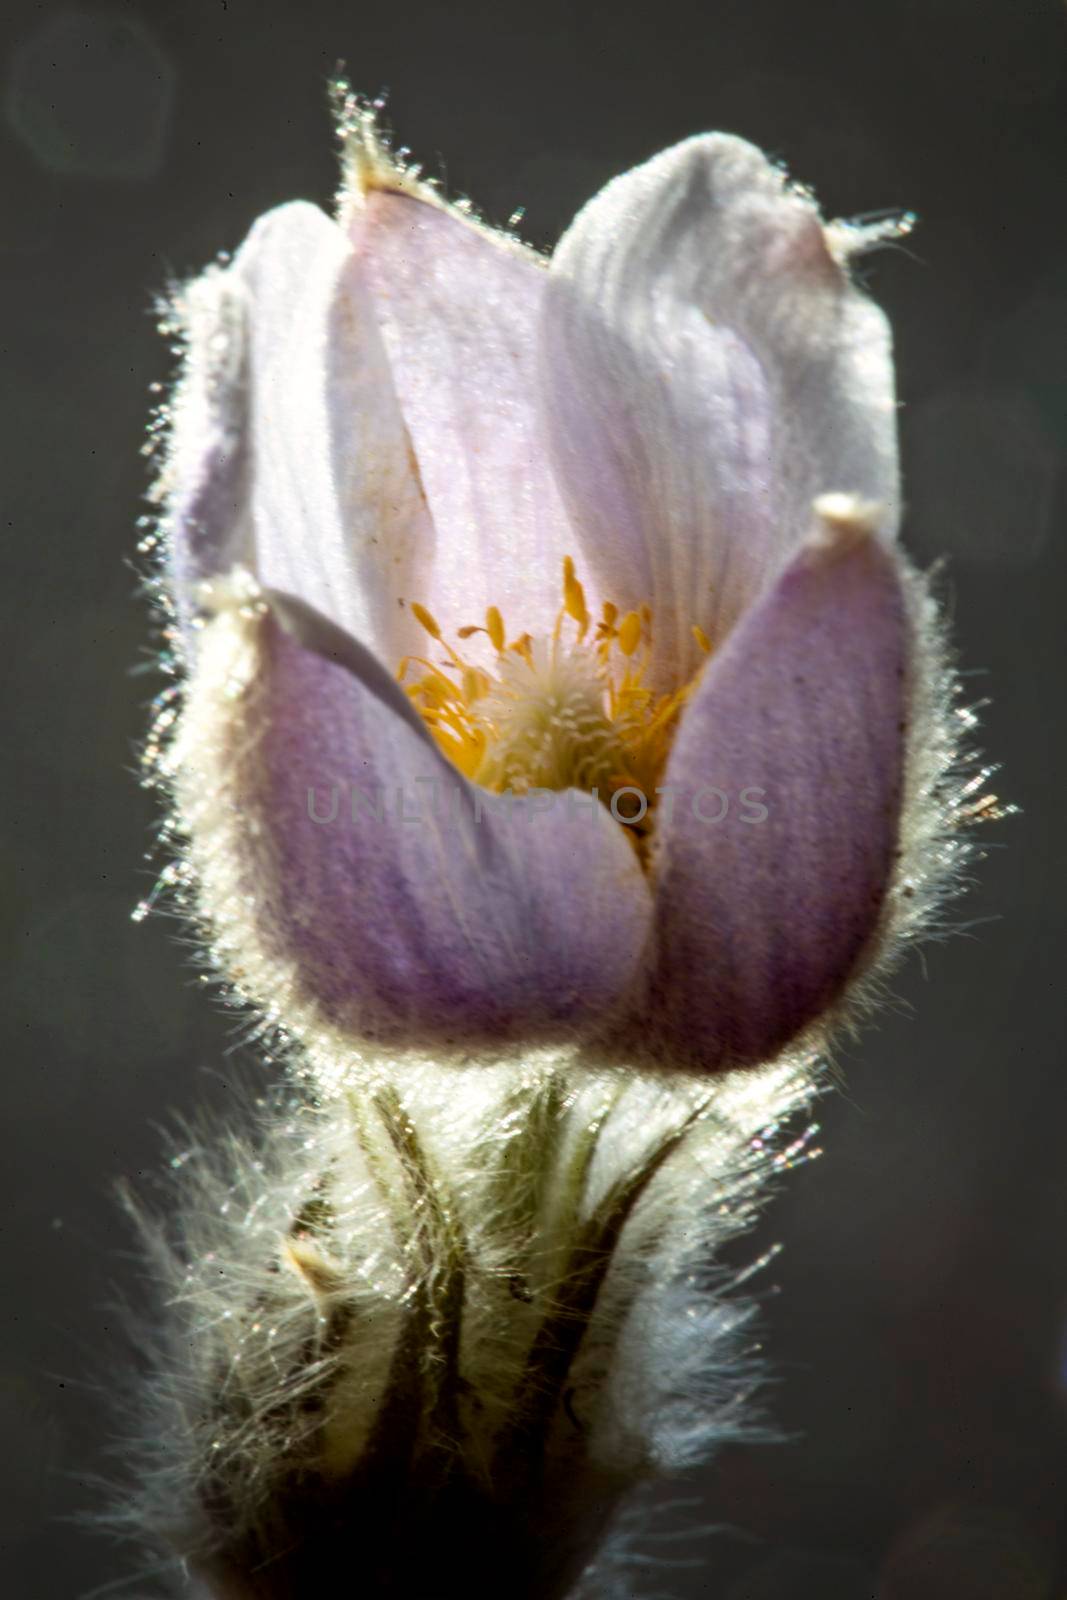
(459, 311)
(305, 474)
(707, 371)
(760, 920)
(429, 916)
(340, 517)
(204, 485)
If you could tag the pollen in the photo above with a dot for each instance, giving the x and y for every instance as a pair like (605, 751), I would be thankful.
(572, 710)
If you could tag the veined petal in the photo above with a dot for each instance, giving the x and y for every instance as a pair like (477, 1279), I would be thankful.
(459, 311)
(357, 883)
(340, 517)
(708, 370)
(780, 832)
(305, 473)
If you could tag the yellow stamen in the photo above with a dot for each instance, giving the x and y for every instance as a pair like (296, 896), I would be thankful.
(475, 684)
(425, 619)
(629, 633)
(494, 623)
(554, 713)
(574, 597)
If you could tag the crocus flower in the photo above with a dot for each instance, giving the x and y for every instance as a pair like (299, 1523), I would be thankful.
(554, 673)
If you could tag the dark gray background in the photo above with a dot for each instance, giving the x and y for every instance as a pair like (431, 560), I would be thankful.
(917, 1328)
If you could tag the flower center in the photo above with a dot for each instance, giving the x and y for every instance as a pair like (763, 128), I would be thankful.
(571, 711)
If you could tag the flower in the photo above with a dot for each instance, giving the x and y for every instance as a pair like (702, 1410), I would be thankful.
(554, 696)
(553, 672)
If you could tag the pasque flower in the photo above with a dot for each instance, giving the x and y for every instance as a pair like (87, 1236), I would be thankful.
(562, 746)
(554, 671)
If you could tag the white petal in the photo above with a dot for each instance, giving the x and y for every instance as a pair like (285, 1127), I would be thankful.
(329, 506)
(708, 370)
(459, 312)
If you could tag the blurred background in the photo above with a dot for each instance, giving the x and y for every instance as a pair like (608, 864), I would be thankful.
(917, 1318)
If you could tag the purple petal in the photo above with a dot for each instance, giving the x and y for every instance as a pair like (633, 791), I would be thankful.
(760, 923)
(708, 371)
(298, 465)
(459, 312)
(205, 482)
(427, 916)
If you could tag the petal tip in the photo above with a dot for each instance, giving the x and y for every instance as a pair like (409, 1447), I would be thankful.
(370, 164)
(368, 160)
(842, 522)
(738, 163)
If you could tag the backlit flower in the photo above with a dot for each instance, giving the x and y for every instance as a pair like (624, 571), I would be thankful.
(554, 697)
(553, 672)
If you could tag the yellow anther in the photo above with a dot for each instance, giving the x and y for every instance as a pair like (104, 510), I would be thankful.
(574, 596)
(494, 623)
(426, 619)
(629, 633)
(570, 709)
(435, 691)
(475, 683)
